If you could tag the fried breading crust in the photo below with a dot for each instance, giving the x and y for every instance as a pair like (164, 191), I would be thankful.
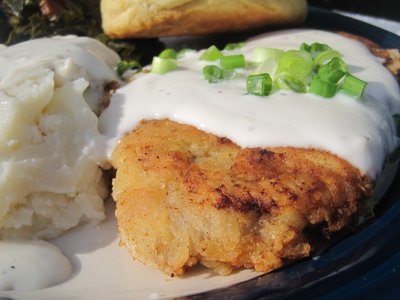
(184, 196)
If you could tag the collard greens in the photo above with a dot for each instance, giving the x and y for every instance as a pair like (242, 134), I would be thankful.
(21, 20)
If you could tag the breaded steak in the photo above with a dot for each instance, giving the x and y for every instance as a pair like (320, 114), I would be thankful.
(185, 197)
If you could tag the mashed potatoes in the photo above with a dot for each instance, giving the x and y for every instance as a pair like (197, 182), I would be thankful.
(50, 148)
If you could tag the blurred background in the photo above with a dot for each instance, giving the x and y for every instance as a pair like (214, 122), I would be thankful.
(389, 9)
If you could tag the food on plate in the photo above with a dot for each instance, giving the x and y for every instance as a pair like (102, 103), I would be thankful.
(139, 18)
(185, 196)
(213, 169)
(50, 93)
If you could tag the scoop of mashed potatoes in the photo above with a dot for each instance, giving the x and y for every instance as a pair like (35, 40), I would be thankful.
(50, 179)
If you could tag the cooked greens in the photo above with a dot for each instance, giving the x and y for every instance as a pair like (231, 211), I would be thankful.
(27, 19)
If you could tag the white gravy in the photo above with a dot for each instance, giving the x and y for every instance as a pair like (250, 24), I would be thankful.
(31, 264)
(91, 60)
(89, 54)
(360, 131)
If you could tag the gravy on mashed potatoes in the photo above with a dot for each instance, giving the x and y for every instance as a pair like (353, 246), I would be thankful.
(50, 175)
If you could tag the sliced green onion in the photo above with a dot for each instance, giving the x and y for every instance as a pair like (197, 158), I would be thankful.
(262, 54)
(326, 56)
(292, 83)
(163, 65)
(215, 74)
(297, 63)
(333, 71)
(268, 66)
(319, 47)
(316, 48)
(211, 54)
(182, 52)
(315, 68)
(353, 86)
(305, 47)
(322, 88)
(168, 53)
(233, 46)
(228, 73)
(124, 66)
(233, 61)
(259, 84)
(212, 73)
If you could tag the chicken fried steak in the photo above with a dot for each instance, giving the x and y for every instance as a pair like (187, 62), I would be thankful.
(185, 197)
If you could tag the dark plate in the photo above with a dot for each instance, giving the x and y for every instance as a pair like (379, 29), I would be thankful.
(363, 265)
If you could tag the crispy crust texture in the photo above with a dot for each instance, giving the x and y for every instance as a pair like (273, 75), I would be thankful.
(138, 18)
(186, 197)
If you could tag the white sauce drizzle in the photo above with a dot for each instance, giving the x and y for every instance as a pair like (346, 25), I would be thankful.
(31, 264)
(360, 131)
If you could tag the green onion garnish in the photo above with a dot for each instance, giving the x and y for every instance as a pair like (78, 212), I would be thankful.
(297, 63)
(259, 84)
(212, 73)
(233, 61)
(333, 71)
(268, 66)
(182, 52)
(353, 86)
(322, 88)
(163, 65)
(233, 46)
(124, 66)
(325, 57)
(215, 74)
(168, 53)
(211, 54)
(314, 68)
(262, 54)
(228, 73)
(305, 47)
(317, 48)
(290, 82)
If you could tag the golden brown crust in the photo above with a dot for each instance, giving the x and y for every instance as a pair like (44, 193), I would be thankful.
(138, 18)
(185, 196)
